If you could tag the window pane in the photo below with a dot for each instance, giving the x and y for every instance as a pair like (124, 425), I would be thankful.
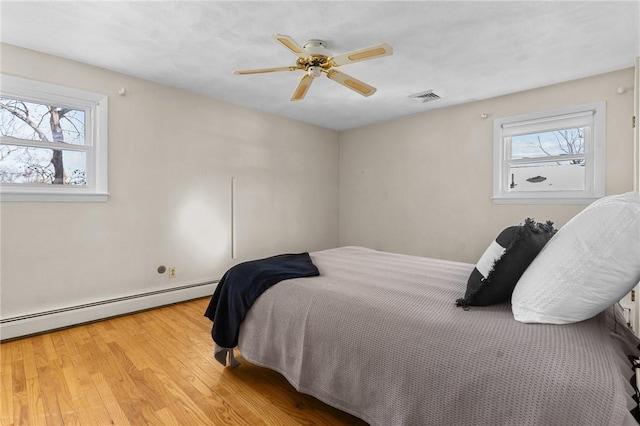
(557, 142)
(567, 175)
(21, 165)
(33, 121)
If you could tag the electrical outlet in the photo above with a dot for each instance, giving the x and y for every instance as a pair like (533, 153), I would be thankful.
(172, 272)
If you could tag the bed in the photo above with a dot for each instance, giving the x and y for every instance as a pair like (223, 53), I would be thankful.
(378, 335)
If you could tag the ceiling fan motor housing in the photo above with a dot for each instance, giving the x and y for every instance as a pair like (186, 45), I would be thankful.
(316, 47)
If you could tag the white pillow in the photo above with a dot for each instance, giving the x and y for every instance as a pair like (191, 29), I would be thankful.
(590, 264)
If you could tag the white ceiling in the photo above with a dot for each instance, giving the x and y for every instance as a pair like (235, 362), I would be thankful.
(464, 51)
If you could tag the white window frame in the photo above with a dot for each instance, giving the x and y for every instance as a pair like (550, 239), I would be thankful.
(95, 106)
(595, 153)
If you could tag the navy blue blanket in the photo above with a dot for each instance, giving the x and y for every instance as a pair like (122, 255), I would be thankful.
(243, 284)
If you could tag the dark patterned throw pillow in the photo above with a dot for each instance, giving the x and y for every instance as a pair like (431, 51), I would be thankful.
(500, 267)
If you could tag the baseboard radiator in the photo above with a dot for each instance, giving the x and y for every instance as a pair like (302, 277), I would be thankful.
(39, 322)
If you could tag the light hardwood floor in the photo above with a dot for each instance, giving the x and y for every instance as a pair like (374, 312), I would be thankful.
(153, 367)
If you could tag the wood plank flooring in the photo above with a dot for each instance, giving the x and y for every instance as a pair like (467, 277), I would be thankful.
(153, 367)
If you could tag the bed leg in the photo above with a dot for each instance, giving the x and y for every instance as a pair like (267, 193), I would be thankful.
(221, 354)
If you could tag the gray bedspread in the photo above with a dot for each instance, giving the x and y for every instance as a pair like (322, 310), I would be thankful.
(378, 335)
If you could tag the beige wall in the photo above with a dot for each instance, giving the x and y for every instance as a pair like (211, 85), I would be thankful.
(172, 155)
(419, 185)
(422, 185)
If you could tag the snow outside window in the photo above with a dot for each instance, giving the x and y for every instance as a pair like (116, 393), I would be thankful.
(550, 157)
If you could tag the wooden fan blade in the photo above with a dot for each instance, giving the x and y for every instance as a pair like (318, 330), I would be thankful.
(371, 52)
(351, 83)
(290, 44)
(265, 70)
(302, 88)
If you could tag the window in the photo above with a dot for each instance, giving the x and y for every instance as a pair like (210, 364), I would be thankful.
(53, 144)
(550, 157)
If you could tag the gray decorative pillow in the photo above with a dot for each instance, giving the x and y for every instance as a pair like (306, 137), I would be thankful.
(495, 276)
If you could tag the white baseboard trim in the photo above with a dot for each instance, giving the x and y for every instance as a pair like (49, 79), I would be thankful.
(59, 318)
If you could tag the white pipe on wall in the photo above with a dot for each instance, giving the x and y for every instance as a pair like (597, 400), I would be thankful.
(38, 322)
(636, 112)
(234, 242)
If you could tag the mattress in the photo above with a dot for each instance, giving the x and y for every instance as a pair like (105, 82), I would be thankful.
(378, 335)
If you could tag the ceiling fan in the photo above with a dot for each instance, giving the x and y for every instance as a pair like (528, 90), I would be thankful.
(314, 59)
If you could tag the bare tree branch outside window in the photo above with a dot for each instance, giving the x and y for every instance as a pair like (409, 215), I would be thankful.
(46, 123)
(570, 141)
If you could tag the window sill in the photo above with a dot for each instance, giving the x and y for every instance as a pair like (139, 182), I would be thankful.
(54, 197)
(544, 200)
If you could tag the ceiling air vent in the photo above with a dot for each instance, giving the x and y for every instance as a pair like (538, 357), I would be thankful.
(425, 96)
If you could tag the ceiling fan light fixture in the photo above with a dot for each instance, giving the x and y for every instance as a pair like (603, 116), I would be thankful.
(314, 72)
(314, 59)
